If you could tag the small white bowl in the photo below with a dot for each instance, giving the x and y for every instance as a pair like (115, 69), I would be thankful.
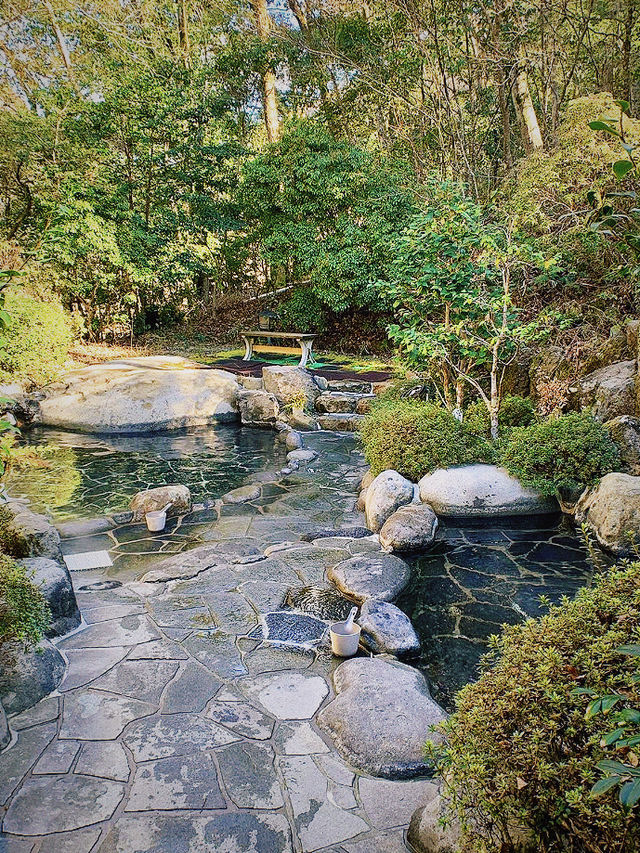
(344, 642)
(156, 520)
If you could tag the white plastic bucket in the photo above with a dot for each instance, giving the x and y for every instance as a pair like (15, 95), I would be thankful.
(156, 520)
(344, 639)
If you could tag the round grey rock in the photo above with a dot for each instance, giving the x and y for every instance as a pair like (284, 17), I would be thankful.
(410, 528)
(381, 717)
(30, 676)
(386, 629)
(611, 511)
(388, 491)
(54, 580)
(370, 576)
(27, 534)
(303, 456)
(243, 494)
(152, 500)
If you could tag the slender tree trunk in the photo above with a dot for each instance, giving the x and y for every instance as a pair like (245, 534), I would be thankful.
(62, 44)
(627, 93)
(183, 34)
(269, 92)
(529, 126)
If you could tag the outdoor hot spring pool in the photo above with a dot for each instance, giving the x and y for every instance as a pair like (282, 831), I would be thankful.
(475, 578)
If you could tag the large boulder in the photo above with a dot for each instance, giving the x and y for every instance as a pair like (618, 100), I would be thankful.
(258, 408)
(334, 402)
(426, 833)
(152, 500)
(625, 431)
(26, 534)
(410, 528)
(27, 677)
(288, 382)
(381, 717)
(374, 575)
(611, 511)
(607, 392)
(140, 395)
(480, 491)
(386, 629)
(54, 580)
(388, 491)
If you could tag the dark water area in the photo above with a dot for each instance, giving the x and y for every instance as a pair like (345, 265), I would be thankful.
(86, 475)
(479, 576)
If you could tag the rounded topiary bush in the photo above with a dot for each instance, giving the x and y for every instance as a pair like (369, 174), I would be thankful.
(515, 411)
(520, 753)
(561, 455)
(415, 438)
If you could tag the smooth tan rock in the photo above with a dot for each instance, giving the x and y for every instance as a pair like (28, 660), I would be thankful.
(258, 408)
(427, 835)
(388, 491)
(152, 500)
(625, 431)
(410, 528)
(140, 395)
(609, 391)
(611, 511)
(288, 382)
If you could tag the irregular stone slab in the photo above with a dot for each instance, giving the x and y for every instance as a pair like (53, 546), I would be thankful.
(380, 842)
(410, 528)
(128, 631)
(239, 832)
(175, 734)
(144, 680)
(105, 759)
(27, 534)
(609, 391)
(57, 757)
(299, 739)
(249, 776)
(301, 456)
(85, 665)
(480, 491)
(288, 382)
(242, 495)
(152, 500)
(290, 695)
(345, 422)
(388, 491)
(338, 402)
(54, 580)
(186, 565)
(108, 612)
(370, 576)
(258, 408)
(386, 629)
(241, 718)
(217, 651)
(319, 822)
(45, 711)
(145, 394)
(389, 804)
(13, 844)
(78, 841)
(31, 677)
(179, 782)
(23, 754)
(611, 511)
(190, 690)
(68, 802)
(158, 650)
(381, 717)
(94, 715)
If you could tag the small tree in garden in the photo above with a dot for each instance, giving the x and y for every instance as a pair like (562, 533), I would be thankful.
(452, 286)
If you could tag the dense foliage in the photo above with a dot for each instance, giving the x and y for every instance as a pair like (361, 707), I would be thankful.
(515, 411)
(561, 455)
(520, 755)
(415, 438)
(24, 612)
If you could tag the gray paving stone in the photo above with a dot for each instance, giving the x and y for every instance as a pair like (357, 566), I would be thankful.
(179, 782)
(57, 757)
(78, 841)
(299, 739)
(390, 804)
(190, 690)
(138, 679)
(277, 659)
(217, 651)
(249, 776)
(16, 761)
(265, 595)
(107, 612)
(105, 759)
(176, 734)
(319, 822)
(241, 718)
(382, 842)
(239, 832)
(335, 769)
(233, 613)
(342, 796)
(11, 844)
(157, 650)
(44, 712)
(45, 805)
(289, 695)
(87, 664)
(95, 715)
(127, 631)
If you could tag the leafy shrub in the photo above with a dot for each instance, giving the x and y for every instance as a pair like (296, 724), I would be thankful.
(24, 612)
(414, 438)
(519, 749)
(303, 312)
(561, 455)
(515, 411)
(36, 342)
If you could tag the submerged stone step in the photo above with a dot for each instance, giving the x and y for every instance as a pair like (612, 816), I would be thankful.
(341, 422)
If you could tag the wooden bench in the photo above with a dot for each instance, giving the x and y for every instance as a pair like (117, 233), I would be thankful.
(304, 340)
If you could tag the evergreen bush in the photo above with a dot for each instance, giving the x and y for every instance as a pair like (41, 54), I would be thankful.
(515, 411)
(24, 612)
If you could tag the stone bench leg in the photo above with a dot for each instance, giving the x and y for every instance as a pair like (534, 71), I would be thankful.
(248, 342)
(306, 347)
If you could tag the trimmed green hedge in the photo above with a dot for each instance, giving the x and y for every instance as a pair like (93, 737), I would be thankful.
(515, 411)
(24, 612)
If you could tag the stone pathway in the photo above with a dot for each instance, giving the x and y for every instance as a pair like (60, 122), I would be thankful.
(179, 728)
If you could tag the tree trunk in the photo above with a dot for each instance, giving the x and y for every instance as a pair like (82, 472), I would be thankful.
(529, 127)
(183, 34)
(269, 92)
